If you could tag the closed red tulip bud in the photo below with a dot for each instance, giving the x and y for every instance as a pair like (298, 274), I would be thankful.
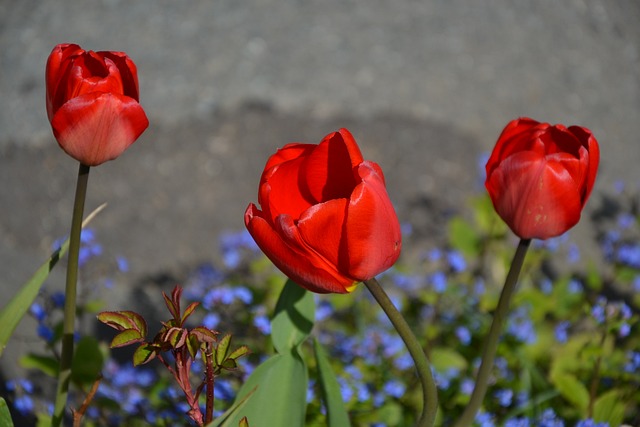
(540, 176)
(326, 219)
(92, 103)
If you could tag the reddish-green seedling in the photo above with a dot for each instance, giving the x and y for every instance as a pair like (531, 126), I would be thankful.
(184, 344)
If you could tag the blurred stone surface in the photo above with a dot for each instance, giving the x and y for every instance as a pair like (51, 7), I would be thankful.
(425, 87)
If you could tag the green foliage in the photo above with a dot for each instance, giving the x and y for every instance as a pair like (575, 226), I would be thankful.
(278, 386)
(5, 416)
(336, 414)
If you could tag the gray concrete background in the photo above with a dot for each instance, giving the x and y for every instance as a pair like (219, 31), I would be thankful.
(425, 87)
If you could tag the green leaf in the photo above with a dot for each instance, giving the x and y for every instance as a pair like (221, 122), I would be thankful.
(189, 311)
(572, 390)
(13, 312)
(293, 318)
(336, 413)
(126, 337)
(609, 409)
(223, 349)
(46, 364)
(223, 420)
(143, 354)
(5, 416)
(280, 396)
(87, 361)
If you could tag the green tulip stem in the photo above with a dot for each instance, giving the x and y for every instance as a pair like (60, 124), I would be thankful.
(68, 326)
(429, 390)
(491, 343)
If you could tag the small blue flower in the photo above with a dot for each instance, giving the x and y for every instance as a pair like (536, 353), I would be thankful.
(573, 253)
(38, 311)
(549, 419)
(394, 388)
(485, 419)
(45, 332)
(504, 396)
(590, 423)
(633, 363)
(406, 229)
(517, 422)
(23, 404)
(58, 299)
(439, 282)
(463, 334)
(324, 310)
(211, 320)
(561, 331)
(123, 264)
(456, 261)
(263, 324)
(466, 386)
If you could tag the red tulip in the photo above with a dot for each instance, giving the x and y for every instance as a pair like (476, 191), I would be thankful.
(327, 221)
(540, 176)
(92, 103)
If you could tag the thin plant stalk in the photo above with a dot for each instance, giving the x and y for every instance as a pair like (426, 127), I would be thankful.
(68, 325)
(429, 390)
(491, 342)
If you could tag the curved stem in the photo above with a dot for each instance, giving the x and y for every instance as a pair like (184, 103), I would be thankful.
(491, 343)
(429, 390)
(68, 328)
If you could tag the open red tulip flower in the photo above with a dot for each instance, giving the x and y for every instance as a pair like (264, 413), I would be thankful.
(326, 219)
(540, 176)
(92, 103)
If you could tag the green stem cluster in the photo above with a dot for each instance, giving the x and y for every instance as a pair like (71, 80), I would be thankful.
(68, 328)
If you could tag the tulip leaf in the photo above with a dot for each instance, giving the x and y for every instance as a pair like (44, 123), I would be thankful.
(331, 394)
(293, 318)
(13, 312)
(280, 396)
(223, 420)
(5, 415)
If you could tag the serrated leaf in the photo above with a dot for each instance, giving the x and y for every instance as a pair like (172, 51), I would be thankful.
(126, 337)
(88, 361)
(189, 311)
(193, 345)
(222, 349)
(170, 305)
(46, 364)
(176, 337)
(203, 334)
(5, 415)
(609, 409)
(15, 310)
(293, 318)
(116, 319)
(144, 354)
(229, 365)
(331, 394)
(239, 352)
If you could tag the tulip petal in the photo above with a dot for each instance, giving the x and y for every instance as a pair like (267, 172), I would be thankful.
(97, 127)
(372, 231)
(286, 249)
(536, 198)
(328, 173)
(280, 191)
